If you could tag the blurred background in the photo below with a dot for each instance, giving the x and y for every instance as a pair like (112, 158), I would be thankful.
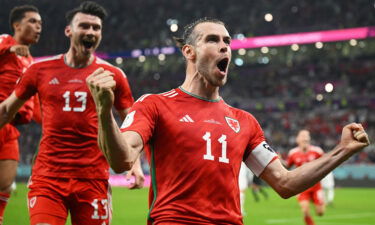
(319, 85)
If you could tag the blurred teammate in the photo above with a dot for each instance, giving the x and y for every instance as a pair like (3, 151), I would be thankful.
(70, 173)
(257, 187)
(245, 180)
(304, 153)
(196, 142)
(15, 57)
(328, 185)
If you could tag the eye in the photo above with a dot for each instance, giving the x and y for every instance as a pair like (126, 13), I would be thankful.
(227, 41)
(212, 38)
(96, 27)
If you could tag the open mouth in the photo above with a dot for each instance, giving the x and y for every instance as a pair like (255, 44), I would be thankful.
(222, 64)
(88, 43)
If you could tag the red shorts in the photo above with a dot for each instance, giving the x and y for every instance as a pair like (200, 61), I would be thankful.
(314, 194)
(9, 143)
(87, 200)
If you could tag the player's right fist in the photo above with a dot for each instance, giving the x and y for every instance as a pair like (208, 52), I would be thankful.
(101, 85)
(21, 50)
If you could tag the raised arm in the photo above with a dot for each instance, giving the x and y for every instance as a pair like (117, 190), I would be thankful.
(9, 108)
(120, 149)
(136, 169)
(288, 183)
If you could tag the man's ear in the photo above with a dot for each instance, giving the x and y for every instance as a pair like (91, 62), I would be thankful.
(16, 25)
(68, 31)
(189, 52)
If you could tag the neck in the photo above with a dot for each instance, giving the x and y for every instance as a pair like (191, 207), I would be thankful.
(196, 84)
(75, 60)
(20, 40)
(304, 148)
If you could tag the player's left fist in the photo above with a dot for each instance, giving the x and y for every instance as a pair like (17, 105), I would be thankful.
(354, 137)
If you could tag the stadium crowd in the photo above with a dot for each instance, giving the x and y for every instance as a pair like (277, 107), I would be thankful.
(282, 94)
(145, 23)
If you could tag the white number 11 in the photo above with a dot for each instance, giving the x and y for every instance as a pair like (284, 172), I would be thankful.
(222, 140)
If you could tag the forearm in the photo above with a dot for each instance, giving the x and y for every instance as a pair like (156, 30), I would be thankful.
(9, 108)
(310, 173)
(119, 154)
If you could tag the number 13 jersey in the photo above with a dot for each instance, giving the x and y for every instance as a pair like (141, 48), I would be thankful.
(195, 148)
(68, 147)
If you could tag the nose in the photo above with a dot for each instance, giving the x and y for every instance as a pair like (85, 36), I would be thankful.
(223, 47)
(39, 26)
(90, 31)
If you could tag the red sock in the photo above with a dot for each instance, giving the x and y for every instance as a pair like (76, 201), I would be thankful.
(3, 202)
(309, 220)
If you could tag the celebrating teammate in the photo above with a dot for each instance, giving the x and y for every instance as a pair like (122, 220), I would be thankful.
(195, 142)
(70, 173)
(15, 57)
(304, 153)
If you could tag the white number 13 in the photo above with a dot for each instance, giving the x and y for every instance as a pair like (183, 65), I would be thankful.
(222, 140)
(81, 96)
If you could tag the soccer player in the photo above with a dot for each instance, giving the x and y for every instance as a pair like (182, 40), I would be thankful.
(304, 153)
(245, 180)
(15, 57)
(195, 142)
(70, 174)
(328, 185)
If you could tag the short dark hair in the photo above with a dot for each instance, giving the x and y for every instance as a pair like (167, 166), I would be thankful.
(18, 13)
(88, 7)
(188, 36)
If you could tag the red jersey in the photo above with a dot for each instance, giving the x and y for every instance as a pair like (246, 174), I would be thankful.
(195, 148)
(12, 67)
(297, 157)
(69, 121)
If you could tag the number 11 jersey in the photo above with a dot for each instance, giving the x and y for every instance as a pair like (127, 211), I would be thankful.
(195, 148)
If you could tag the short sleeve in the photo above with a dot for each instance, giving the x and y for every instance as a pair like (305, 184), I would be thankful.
(27, 85)
(142, 118)
(6, 41)
(123, 95)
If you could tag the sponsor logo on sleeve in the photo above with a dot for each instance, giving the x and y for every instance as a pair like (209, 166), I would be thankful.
(128, 120)
(233, 123)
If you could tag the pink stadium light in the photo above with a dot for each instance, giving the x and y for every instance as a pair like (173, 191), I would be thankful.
(304, 38)
(266, 41)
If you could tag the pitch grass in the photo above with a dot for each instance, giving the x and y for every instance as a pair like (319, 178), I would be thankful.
(352, 206)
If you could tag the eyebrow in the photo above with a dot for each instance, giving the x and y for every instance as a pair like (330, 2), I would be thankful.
(226, 38)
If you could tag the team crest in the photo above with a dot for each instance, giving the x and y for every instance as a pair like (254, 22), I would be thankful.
(32, 202)
(233, 123)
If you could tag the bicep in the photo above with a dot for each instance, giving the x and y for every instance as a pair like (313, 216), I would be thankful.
(275, 174)
(133, 140)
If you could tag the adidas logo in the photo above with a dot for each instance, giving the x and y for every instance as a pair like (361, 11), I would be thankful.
(186, 118)
(54, 81)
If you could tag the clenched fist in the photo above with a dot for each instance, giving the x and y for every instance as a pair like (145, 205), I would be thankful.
(354, 138)
(102, 84)
(21, 50)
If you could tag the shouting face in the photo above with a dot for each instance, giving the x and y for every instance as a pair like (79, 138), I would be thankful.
(213, 53)
(85, 33)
